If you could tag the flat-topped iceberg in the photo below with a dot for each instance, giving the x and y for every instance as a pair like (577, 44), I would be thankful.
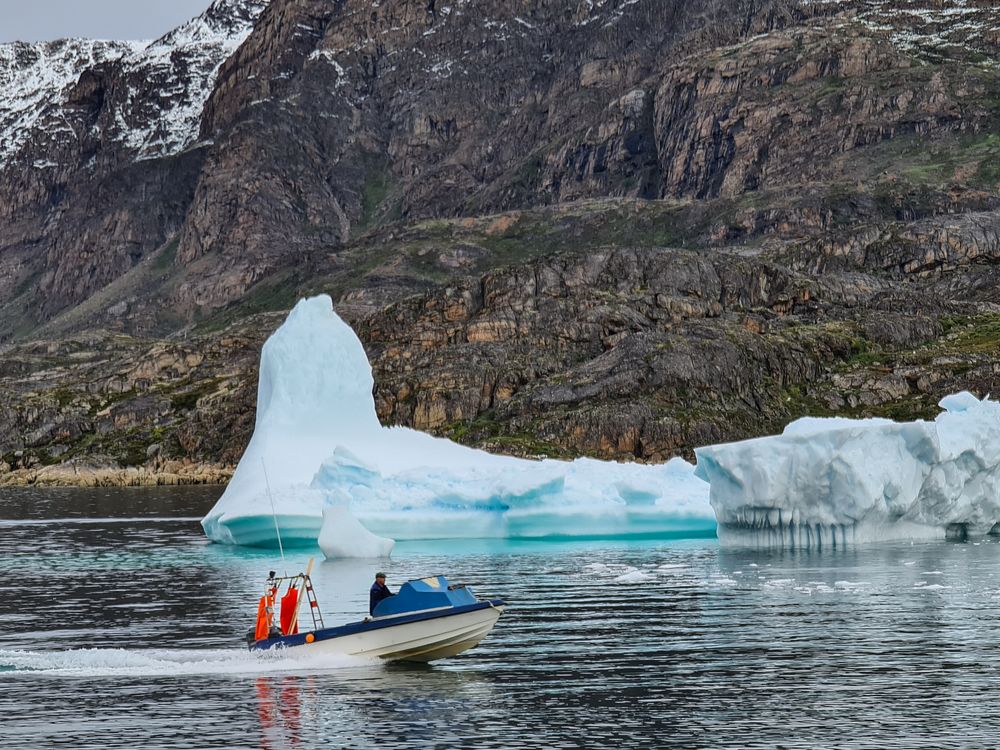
(516, 498)
(831, 482)
(318, 444)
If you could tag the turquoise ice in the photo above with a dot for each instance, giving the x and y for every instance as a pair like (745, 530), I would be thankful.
(318, 444)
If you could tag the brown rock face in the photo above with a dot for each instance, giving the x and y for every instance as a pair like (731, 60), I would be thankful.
(332, 117)
(722, 132)
(622, 228)
(600, 351)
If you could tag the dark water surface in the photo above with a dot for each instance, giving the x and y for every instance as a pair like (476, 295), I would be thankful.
(122, 628)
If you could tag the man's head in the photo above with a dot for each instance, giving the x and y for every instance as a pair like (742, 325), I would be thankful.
(380, 577)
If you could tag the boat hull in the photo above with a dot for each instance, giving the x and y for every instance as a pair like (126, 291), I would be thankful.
(418, 637)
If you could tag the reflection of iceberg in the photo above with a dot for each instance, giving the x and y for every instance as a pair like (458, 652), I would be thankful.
(836, 481)
(321, 443)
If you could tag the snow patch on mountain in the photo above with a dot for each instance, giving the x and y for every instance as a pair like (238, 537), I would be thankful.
(36, 78)
(920, 26)
(167, 83)
(182, 67)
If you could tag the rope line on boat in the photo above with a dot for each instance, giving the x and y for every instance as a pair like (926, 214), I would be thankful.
(274, 513)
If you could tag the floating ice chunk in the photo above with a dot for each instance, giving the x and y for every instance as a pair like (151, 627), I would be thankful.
(719, 581)
(342, 535)
(831, 482)
(635, 576)
(317, 441)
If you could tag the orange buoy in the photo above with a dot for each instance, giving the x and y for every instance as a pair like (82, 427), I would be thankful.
(310, 638)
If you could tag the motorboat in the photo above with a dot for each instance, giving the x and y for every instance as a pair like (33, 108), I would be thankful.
(428, 619)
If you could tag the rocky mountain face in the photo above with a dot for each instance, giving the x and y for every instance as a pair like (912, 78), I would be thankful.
(100, 156)
(622, 228)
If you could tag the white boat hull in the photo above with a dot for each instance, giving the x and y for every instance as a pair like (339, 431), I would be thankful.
(421, 641)
(424, 640)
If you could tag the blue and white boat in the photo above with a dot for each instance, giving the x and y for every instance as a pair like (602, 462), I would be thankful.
(428, 619)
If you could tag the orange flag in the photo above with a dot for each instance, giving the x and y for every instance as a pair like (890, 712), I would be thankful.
(288, 602)
(262, 620)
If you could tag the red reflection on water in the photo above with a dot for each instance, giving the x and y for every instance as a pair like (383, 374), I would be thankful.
(279, 709)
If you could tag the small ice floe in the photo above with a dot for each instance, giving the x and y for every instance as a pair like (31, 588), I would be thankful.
(931, 573)
(924, 586)
(619, 573)
(822, 588)
(635, 576)
(848, 585)
(342, 536)
(720, 582)
(909, 562)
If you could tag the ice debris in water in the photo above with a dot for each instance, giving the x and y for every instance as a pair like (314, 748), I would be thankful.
(317, 443)
(342, 535)
(831, 482)
(635, 576)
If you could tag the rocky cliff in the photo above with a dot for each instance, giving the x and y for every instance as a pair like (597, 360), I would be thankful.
(620, 228)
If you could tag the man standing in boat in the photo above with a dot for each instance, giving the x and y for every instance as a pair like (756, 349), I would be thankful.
(378, 592)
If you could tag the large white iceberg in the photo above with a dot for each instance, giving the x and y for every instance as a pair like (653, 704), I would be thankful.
(317, 443)
(832, 482)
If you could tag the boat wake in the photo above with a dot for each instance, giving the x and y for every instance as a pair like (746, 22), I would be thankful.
(117, 662)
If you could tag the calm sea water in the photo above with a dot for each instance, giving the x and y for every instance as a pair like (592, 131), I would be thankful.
(122, 627)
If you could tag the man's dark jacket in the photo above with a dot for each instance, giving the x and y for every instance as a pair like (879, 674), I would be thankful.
(377, 593)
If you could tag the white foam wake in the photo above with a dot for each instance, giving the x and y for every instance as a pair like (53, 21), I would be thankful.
(119, 662)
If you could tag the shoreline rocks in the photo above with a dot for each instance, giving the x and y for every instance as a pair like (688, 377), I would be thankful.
(68, 475)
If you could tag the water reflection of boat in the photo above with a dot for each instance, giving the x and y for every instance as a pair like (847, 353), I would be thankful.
(279, 711)
(428, 619)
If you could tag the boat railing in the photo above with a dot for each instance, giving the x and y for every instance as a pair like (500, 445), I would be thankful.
(300, 583)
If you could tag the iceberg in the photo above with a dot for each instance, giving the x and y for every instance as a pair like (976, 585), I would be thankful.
(834, 481)
(342, 535)
(318, 444)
